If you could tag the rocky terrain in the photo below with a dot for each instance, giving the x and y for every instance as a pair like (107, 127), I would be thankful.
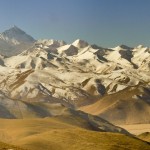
(14, 40)
(77, 81)
(113, 83)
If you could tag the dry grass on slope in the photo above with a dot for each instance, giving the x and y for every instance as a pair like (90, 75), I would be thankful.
(137, 129)
(62, 134)
(4, 146)
(75, 139)
(145, 136)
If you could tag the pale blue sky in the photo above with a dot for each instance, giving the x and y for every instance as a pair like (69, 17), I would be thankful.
(105, 22)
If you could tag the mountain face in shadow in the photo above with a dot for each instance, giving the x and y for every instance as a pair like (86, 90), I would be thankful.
(14, 41)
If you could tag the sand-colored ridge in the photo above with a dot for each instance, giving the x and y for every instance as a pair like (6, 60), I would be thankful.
(55, 134)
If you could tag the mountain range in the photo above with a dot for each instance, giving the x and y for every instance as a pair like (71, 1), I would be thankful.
(51, 78)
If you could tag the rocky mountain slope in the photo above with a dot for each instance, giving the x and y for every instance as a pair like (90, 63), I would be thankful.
(113, 83)
(49, 88)
(14, 41)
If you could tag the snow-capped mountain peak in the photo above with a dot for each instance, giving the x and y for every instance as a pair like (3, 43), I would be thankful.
(16, 36)
(14, 41)
(80, 43)
(76, 74)
(122, 47)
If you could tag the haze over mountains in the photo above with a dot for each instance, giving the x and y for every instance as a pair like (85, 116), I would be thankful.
(14, 40)
(49, 78)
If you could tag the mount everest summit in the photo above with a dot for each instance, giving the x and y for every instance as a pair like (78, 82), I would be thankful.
(14, 41)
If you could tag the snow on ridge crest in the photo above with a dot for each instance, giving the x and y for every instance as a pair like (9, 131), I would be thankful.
(80, 43)
(75, 74)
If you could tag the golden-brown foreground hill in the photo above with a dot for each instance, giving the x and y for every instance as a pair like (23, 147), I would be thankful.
(63, 133)
(4, 146)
